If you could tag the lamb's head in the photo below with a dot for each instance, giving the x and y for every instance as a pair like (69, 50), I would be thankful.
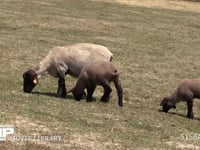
(77, 93)
(30, 80)
(167, 104)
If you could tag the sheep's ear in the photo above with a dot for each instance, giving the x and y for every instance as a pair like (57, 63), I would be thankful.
(35, 81)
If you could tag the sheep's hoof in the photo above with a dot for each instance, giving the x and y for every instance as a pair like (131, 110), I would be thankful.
(190, 116)
(90, 100)
(61, 95)
(78, 100)
(105, 99)
(120, 104)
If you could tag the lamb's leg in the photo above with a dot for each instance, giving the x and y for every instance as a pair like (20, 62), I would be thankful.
(190, 114)
(119, 90)
(90, 91)
(61, 92)
(107, 90)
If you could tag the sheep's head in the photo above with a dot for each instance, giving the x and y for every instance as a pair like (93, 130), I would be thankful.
(30, 80)
(167, 104)
(76, 93)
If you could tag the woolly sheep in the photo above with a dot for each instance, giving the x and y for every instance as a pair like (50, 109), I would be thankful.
(98, 73)
(187, 90)
(65, 60)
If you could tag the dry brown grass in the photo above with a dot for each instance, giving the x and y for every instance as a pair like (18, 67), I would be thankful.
(152, 56)
(166, 4)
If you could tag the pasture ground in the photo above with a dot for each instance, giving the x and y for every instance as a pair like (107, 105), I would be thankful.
(154, 49)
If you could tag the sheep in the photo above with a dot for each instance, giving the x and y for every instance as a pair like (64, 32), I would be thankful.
(98, 73)
(187, 90)
(61, 61)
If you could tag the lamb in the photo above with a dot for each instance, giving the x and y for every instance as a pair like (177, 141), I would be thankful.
(187, 90)
(61, 61)
(98, 73)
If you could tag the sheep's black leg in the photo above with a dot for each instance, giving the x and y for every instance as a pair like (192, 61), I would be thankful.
(90, 91)
(190, 114)
(61, 92)
(107, 91)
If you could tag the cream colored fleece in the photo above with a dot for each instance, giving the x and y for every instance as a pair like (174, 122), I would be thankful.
(70, 59)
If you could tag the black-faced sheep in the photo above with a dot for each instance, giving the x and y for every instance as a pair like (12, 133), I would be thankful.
(65, 60)
(98, 73)
(187, 90)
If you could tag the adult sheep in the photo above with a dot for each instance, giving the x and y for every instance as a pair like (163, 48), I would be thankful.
(61, 61)
(187, 90)
(98, 73)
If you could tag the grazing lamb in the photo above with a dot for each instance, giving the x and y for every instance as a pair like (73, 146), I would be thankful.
(98, 73)
(65, 60)
(187, 90)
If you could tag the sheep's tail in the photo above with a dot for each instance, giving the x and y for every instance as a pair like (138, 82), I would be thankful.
(119, 89)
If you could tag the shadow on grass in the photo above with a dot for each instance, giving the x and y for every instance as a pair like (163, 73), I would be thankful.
(54, 95)
(181, 115)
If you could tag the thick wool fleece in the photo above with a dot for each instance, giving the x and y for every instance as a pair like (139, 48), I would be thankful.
(70, 59)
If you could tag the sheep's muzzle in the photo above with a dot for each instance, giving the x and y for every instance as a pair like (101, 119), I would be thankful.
(166, 108)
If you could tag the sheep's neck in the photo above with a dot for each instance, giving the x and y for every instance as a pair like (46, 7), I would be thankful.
(174, 97)
(80, 85)
(41, 70)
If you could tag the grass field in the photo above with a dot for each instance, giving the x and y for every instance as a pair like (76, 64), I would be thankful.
(153, 48)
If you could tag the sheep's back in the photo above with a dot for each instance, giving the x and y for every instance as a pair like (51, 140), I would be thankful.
(99, 70)
(72, 58)
(195, 87)
(190, 87)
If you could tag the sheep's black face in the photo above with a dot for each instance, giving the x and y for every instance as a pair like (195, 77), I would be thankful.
(77, 95)
(30, 80)
(167, 105)
(166, 108)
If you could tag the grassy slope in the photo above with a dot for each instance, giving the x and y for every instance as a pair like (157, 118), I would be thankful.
(153, 48)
